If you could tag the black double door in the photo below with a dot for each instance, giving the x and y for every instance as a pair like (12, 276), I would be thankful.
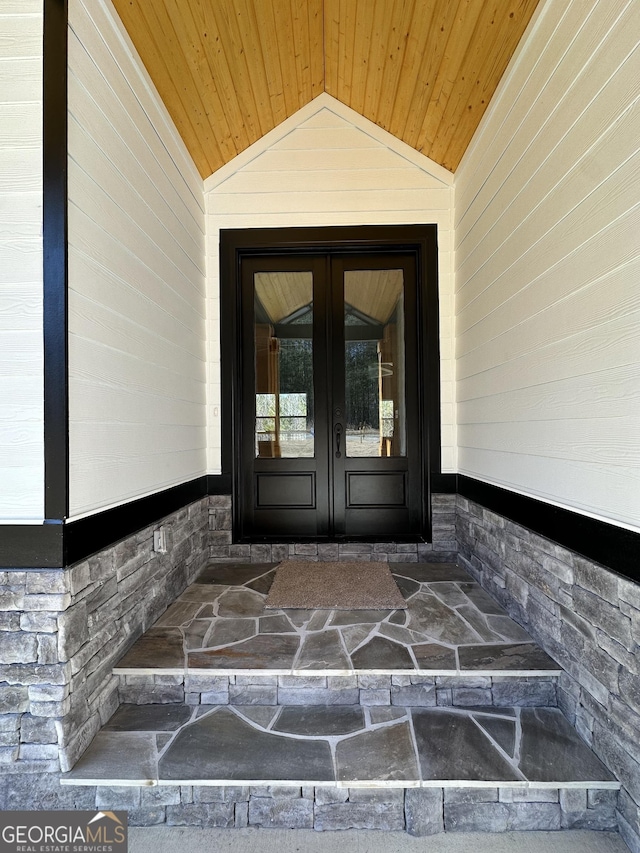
(329, 435)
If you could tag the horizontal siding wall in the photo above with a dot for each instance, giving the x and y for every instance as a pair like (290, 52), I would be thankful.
(329, 166)
(21, 349)
(137, 328)
(547, 267)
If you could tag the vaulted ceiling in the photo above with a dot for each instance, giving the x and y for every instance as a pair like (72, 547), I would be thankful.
(229, 71)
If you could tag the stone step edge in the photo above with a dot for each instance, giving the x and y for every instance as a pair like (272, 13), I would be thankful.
(379, 785)
(340, 673)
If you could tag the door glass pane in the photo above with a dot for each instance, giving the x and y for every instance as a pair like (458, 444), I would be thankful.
(284, 364)
(374, 363)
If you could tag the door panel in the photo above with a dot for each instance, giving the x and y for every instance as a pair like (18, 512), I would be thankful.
(285, 490)
(374, 396)
(283, 417)
(368, 489)
(330, 433)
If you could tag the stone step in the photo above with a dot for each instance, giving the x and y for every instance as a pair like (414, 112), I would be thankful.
(362, 689)
(452, 645)
(284, 765)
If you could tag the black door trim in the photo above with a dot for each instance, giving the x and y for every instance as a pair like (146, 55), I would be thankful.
(236, 244)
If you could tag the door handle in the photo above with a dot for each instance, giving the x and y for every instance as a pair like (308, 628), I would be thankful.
(338, 433)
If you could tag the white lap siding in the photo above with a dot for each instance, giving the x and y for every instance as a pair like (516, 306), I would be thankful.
(21, 349)
(136, 277)
(547, 265)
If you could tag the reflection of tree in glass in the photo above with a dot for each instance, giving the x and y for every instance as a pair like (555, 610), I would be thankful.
(361, 373)
(296, 371)
(361, 384)
(265, 413)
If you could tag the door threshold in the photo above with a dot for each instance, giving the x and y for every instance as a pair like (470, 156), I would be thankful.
(329, 540)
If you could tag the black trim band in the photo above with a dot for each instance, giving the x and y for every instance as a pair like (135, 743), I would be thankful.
(58, 545)
(219, 484)
(28, 546)
(611, 546)
(89, 535)
(444, 484)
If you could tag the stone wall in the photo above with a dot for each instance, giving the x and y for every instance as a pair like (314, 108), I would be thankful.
(587, 618)
(443, 548)
(419, 811)
(64, 629)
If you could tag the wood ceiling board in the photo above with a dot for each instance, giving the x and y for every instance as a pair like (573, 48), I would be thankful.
(154, 54)
(232, 64)
(219, 118)
(394, 60)
(231, 71)
(361, 45)
(489, 48)
(219, 55)
(316, 45)
(332, 22)
(308, 19)
(257, 57)
(267, 27)
(216, 123)
(180, 62)
(429, 51)
(374, 83)
(339, 52)
(452, 70)
(285, 33)
(400, 103)
(453, 138)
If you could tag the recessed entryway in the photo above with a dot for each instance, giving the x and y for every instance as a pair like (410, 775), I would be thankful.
(335, 380)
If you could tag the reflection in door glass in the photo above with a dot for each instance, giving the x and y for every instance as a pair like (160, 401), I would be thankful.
(284, 364)
(374, 363)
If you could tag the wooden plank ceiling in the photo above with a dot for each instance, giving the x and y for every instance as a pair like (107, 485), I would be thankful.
(231, 70)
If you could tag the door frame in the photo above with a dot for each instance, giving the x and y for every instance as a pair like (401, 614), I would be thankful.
(420, 240)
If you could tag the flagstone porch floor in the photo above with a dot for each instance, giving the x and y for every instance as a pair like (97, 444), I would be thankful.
(219, 626)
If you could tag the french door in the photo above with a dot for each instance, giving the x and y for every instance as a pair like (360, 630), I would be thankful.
(329, 438)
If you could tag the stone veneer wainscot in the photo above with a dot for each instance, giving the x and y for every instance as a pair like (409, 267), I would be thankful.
(587, 618)
(443, 548)
(63, 631)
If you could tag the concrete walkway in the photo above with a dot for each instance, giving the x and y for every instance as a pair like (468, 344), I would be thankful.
(191, 840)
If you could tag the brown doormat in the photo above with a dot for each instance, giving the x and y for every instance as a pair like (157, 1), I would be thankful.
(334, 586)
